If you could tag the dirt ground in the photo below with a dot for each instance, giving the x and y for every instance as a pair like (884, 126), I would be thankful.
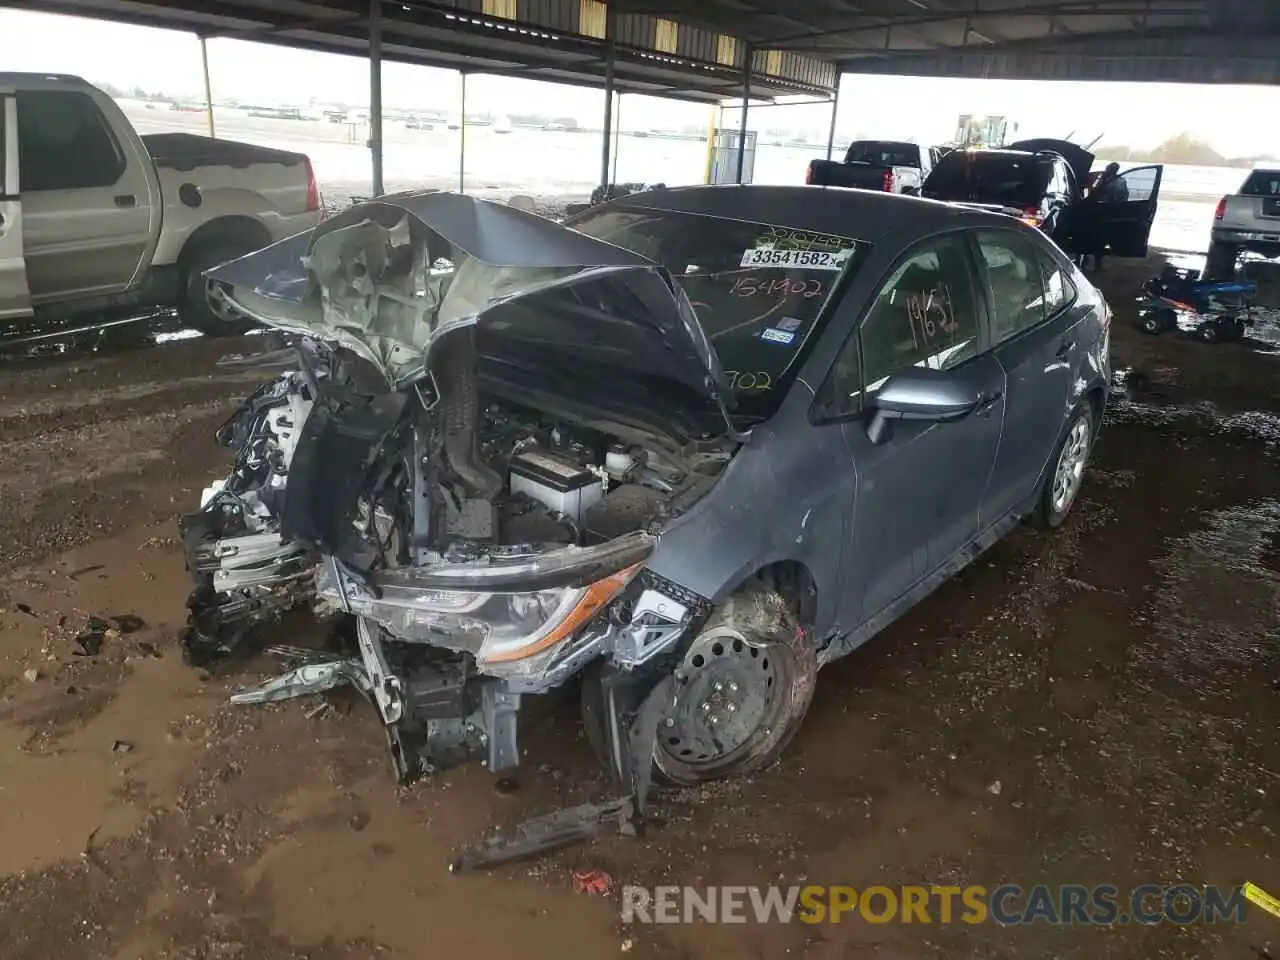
(1096, 706)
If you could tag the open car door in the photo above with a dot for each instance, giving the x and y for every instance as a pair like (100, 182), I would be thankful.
(1116, 218)
(15, 298)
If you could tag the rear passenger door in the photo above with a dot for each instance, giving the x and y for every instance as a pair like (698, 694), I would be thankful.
(87, 216)
(14, 298)
(1033, 335)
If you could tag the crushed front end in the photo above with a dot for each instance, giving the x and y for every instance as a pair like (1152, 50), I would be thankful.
(481, 538)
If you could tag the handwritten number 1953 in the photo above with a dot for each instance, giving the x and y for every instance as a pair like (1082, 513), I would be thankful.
(930, 313)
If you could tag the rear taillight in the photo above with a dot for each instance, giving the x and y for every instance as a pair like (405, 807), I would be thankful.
(808, 173)
(1032, 216)
(1220, 209)
(313, 189)
(888, 181)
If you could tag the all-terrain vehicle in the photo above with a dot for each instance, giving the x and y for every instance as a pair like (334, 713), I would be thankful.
(1211, 310)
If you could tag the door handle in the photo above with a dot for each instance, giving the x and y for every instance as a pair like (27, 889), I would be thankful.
(1065, 350)
(126, 200)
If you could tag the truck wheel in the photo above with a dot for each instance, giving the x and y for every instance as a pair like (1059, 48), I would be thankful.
(1220, 264)
(201, 311)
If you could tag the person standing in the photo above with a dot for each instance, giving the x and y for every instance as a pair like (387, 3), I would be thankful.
(1105, 187)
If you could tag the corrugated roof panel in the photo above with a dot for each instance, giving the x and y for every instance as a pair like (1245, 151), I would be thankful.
(593, 18)
(555, 14)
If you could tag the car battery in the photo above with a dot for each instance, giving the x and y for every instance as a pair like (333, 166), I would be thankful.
(557, 483)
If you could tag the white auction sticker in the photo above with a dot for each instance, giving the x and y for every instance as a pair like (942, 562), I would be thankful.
(803, 259)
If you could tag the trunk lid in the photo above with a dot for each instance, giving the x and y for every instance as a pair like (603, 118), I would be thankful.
(367, 280)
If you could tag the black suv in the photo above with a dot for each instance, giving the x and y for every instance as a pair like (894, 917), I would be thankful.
(1041, 183)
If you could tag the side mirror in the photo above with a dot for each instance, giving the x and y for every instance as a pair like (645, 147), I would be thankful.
(920, 393)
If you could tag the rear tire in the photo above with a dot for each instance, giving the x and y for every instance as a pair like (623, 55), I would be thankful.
(1066, 474)
(1209, 332)
(198, 309)
(1155, 322)
(1220, 263)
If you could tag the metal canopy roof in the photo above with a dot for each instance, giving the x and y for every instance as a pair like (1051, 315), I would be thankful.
(1202, 41)
(561, 41)
(697, 49)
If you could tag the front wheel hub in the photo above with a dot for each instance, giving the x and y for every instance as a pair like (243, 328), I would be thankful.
(728, 692)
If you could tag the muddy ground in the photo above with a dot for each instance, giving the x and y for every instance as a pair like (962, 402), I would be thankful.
(1095, 706)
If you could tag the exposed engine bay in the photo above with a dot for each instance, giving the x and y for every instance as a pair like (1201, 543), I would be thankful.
(487, 550)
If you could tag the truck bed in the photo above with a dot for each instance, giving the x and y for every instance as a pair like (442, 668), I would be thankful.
(186, 151)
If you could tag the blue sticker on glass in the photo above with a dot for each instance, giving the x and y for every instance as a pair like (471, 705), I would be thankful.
(774, 335)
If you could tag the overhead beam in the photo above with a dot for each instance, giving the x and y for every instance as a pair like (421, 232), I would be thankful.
(869, 22)
(282, 26)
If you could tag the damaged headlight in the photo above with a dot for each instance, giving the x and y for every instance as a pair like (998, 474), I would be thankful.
(495, 627)
(500, 627)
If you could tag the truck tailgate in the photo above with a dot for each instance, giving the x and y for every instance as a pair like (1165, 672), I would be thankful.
(1248, 212)
(833, 173)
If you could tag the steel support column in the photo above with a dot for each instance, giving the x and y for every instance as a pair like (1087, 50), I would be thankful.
(835, 105)
(607, 138)
(746, 95)
(375, 93)
(208, 85)
(617, 130)
(462, 137)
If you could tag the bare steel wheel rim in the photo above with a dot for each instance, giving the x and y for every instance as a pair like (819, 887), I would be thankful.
(1069, 473)
(731, 694)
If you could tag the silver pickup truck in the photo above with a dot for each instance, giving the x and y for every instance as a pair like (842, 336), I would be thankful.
(1246, 220)
(98, 222)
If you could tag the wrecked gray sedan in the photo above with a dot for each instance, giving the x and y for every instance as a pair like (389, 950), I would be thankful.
(683, 449)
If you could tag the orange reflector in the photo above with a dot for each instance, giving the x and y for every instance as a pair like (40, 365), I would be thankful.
(596, 596)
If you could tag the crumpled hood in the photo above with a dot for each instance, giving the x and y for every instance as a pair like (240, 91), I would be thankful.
(365, 280)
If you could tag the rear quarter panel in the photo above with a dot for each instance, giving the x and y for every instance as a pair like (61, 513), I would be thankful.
(273, 194)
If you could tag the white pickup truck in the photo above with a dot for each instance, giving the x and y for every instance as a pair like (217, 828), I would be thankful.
(1246, 220)
(98, 222)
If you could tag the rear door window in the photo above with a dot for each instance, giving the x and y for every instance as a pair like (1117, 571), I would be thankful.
(64, 142)
(883, 153)
(1059, 291)
(990, 178)
(1015, 281)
